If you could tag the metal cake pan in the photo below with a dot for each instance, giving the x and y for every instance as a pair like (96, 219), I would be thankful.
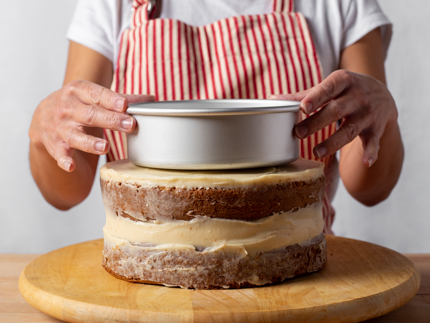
(213, 134)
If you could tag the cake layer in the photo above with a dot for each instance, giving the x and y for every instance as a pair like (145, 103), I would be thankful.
(189, 268)
(244, 237)
(150, 194)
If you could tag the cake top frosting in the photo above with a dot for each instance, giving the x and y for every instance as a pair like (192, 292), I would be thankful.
(125, 172)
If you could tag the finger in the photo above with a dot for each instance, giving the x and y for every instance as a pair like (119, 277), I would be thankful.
(370, 148)
(346, 133)
(96, 116)
(62, 153)
(291, 97)
(54, 146)
(332, 112)
(77, 139)
(94, 94)
(326, 91)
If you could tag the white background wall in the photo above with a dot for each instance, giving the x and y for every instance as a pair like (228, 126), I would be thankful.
(403, 221)
(33, 53)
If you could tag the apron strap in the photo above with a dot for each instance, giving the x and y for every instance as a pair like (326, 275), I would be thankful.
(143, 9)
(137, 3)
(283, 6)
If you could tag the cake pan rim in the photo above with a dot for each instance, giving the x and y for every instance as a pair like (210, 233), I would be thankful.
(217, 107)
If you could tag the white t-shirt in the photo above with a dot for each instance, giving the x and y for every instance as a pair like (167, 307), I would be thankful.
(334, 24)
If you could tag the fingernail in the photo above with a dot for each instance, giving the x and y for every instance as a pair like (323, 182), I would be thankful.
(67, 165)
(301, 131)
(127, 123)
(100, 146)
(321, 151)
(120, 104)
(272, 97)
(370, 161)
(307, 107)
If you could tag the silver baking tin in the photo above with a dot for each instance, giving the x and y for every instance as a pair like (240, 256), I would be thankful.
(213, 134)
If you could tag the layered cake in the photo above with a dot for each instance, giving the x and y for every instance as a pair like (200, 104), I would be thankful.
(213, 229)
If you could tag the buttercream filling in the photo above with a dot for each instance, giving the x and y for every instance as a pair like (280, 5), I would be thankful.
(209, 234)
(125, 172)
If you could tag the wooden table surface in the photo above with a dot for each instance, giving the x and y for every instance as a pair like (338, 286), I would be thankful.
(13, 307)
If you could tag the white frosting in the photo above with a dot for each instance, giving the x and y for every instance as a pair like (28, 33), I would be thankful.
(278, 230)
(125, 172)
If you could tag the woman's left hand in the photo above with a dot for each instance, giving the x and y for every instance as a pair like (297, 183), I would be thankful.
(362, 104)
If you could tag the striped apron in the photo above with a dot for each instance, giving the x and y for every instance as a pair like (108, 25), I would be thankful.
(238, 57)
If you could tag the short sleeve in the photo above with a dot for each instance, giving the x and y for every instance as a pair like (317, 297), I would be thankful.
(93, 25)
(360, 18)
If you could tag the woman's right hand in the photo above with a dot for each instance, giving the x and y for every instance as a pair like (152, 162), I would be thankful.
(60, 121)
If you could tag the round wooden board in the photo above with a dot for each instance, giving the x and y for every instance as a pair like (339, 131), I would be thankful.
(361, 281)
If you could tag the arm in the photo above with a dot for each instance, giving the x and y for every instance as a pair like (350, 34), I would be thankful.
(369, 136)
(67, 127)
(370, 185)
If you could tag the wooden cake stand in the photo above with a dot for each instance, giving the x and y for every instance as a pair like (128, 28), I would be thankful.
(361, 281)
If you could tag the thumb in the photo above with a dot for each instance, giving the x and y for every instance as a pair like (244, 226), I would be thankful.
(136, 98)
(291, 97)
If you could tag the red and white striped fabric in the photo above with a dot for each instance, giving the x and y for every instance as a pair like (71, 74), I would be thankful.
(238, 57)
